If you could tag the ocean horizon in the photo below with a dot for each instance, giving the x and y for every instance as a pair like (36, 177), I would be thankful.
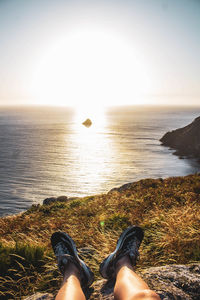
(48, 152)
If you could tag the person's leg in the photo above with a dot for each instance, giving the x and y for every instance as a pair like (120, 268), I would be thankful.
(71, 287)
(128, 285)
(119, 265)
(76, 274)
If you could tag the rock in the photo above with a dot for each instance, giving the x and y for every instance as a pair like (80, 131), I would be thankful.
(103, 290)
(48, 201)
(87, 123)
(175, 281)
(62, 199)
(169, 282)
(186, 140)
(39, 296)
(146, 183)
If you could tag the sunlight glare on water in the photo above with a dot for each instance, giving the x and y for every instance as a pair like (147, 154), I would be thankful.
(92, 149)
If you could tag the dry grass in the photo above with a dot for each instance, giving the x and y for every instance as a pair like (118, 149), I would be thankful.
(167, 210)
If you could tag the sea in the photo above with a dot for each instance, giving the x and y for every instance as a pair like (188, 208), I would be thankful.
(48, 152)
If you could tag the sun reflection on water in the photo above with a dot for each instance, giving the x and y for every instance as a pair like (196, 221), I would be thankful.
(91, 150)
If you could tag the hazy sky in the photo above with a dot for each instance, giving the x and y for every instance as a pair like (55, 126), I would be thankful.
(118, 52)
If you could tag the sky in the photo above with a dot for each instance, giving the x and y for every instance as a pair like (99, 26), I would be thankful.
(62, 52)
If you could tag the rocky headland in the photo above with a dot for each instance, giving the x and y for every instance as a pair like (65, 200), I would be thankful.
(166, 209)
(186, 140)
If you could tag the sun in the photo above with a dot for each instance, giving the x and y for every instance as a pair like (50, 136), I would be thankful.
(90, 69)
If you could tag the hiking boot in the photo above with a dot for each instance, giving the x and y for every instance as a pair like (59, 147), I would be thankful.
(127, 245)
(65, 250)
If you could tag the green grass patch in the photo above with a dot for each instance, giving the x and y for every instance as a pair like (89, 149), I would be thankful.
(116, 222)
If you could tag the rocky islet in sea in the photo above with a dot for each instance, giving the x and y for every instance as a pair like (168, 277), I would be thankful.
(87, 123)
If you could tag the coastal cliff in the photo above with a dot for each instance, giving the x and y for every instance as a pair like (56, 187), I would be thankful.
(166, 209)
(186, 140)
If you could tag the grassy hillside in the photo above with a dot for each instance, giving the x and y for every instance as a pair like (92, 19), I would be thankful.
(167, 210)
